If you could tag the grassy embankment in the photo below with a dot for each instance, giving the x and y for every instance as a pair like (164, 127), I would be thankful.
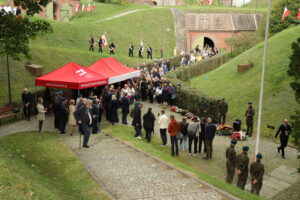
(40, 166)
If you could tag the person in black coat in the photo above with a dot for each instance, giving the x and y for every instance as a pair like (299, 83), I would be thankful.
(114, 118)
(137, 119)
(26, 100)
(108, 104)
(210, 132)
(148, 124)
(125, 103)
(95, 115)
(144, 88)
(92, 42)
(112, 48)
(165, 95)
(285, 130)
(101, 108)
(83, 117)
(63, 111)
(131, 48)
(201, 135)
(149, 52)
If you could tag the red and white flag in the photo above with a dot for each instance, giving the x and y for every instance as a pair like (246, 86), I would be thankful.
(286, 12)
(209, 2)
(83, 9)
(104, 41)
(89, 8)
(93, 6)
(77, 7)
(298, 16)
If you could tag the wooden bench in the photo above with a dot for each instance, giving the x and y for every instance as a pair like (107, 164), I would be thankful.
(6, 112)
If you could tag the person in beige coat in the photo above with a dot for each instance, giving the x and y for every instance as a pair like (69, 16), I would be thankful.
(41, 113)
(72, 120)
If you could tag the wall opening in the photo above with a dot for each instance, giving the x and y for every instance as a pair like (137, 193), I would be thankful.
(208, 43)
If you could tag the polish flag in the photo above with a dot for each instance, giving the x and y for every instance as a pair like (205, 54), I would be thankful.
(104, 40)
(298, 16)
(209, 2)
(89, 8)
(286, 12)
(77, 7)
(83, 9)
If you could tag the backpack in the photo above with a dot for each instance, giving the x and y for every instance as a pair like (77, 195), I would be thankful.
(132, 113)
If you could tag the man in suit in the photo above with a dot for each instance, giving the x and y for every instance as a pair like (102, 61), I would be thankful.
(137, 119)
(131, 48)
(285, 130)
(250, 112)
(125, 108)
(83, 117)
(149, 52)
(210, 132)
(26, 100)
(63, 111)
(95, 114)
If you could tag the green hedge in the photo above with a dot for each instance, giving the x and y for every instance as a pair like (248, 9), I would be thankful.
(174, 61)
(188, 98)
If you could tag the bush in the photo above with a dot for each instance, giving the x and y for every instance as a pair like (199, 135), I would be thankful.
(276, 24)
(175, 61)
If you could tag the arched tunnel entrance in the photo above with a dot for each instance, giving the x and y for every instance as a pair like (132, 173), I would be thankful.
(203, 42)
(208, 43)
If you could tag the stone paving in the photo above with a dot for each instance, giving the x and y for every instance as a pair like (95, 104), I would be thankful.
(129, 174)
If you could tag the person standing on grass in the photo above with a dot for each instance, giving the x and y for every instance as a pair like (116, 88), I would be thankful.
(131, 48)
(100, 43)
(285, 130)
(250, 112)
(83, 117)
(194, 129)
(161, 51)
(231, 161)
(41, 114)
(141, 49)
(210, 132)
(112, 48)
(137, 119)
(149, 52)
(26, 100)
(201, 135)
(173, 129)
(72, 120)
(163, 124)
(242, 167)
(184, 130)
(257, 171)
(148, 125)
(92, 42)
(125, 103)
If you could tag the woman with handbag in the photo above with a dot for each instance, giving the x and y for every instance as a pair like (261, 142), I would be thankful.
(194, 129)
(41, 114)
(174, 129)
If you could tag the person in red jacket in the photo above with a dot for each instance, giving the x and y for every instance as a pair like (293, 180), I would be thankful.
(173, 129)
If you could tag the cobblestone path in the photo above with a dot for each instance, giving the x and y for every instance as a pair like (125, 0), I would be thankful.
(129, 174)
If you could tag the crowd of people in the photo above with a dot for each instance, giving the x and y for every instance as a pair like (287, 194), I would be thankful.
(198, 54)
(8, 9)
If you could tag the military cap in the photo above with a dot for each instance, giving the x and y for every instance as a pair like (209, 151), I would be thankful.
(249, 102)
(245, 148)
(259, 156)
(233, 141)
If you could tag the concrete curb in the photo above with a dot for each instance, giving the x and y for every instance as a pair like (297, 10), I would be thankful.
(185, 173)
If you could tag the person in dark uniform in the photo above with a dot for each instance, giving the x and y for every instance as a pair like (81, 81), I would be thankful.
(203, 107)
(56, 110)
(92, 42)
(201, 135)
(137, 119)
(83, 117)
(285, 130)
(149, 52)
(231, 161)
(257, 171)
(114, 118)
(131, 48)
(250, 112)
(223, 109)
(63, 110)
(100, 43)
(141, 49)
(242, 163)
(108, 104)
(26, 100)
(144, 89)
(125, 103)
(150, 91)
(148, 125)
(95, 116)
(112, 48)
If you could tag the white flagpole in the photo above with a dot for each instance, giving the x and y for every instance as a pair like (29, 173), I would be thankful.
(262, 79)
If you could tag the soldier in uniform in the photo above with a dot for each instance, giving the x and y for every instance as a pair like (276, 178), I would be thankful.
(223, 109)
(242, 162)
(112, 48)
(141, 49)
(250, 112)
(257, 171)
(91, 41)
(131, 48)
(149, 52)
(100, 43)
(231, 161)
(203, 107)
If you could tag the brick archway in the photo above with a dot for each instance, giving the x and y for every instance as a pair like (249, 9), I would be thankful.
(201, 40)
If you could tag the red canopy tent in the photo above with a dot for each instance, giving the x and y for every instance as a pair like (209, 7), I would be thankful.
(71, 76)
(115, 71)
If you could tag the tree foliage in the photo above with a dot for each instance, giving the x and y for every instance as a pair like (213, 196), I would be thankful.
(16, 31)
(294, 71)
(276, 23)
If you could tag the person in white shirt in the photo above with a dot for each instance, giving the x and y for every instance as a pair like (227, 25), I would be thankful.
(124, 90)
(163, 123)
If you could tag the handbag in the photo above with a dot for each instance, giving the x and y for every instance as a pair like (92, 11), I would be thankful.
(179, 136)
(192, 134)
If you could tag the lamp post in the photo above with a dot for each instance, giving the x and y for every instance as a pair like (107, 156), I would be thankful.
(262, 79)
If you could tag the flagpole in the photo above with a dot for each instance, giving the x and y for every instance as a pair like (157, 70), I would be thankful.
(262, 79)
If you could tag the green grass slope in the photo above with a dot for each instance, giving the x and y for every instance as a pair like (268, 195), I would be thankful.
(40, 166)
(69, 42)
(239, 88)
